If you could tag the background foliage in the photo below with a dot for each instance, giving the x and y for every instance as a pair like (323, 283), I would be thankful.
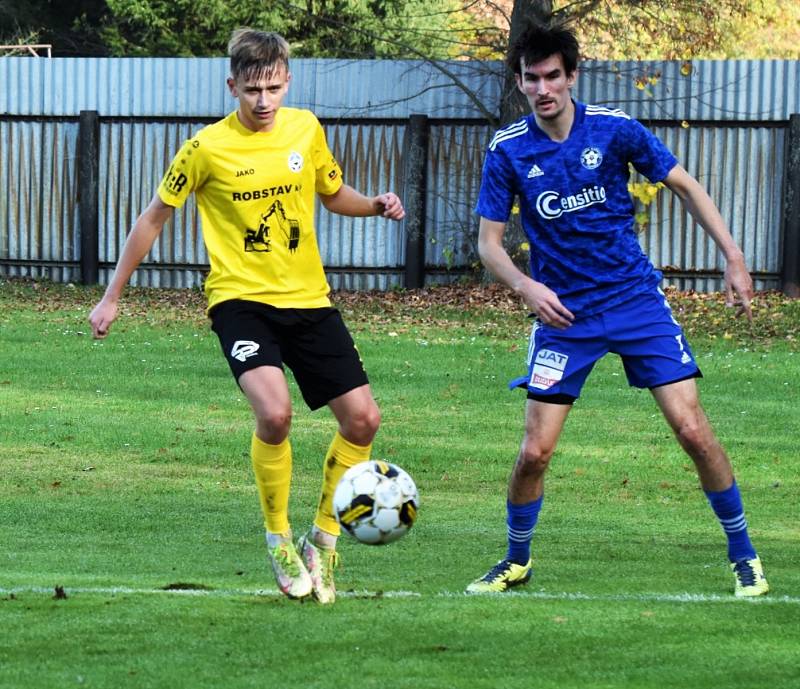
(435, 29)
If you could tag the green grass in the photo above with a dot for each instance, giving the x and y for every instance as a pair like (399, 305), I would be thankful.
(125, 474)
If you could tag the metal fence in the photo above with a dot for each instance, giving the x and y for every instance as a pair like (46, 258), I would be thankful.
(738, 143)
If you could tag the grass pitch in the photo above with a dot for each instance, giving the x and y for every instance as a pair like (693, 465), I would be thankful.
(132, 543)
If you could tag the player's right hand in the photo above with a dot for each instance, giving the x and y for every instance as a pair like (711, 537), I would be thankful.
(546, 305)
(101, 318)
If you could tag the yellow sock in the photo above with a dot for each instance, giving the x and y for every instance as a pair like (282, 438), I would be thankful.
(272, 465)
(342, 454)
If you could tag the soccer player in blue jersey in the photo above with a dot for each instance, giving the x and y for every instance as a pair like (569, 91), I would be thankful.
(592, 289)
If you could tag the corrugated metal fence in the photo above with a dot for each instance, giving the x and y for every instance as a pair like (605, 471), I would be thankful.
(738, 116)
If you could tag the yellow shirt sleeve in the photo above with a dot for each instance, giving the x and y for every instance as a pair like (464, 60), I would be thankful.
(328, 172)
(184, 175)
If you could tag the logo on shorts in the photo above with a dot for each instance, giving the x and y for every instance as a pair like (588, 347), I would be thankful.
(244, 349)
(686, 358)
(548, 369)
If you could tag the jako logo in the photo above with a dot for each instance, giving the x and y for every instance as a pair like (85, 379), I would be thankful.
(243, 349)
(551, 204)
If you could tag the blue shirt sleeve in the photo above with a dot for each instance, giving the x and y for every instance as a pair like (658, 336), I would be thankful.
(498, 190)
(646, 151)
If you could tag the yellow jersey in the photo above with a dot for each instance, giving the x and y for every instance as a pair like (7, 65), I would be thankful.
(255, 192)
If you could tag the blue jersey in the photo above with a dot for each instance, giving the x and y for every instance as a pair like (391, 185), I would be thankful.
(574, 203)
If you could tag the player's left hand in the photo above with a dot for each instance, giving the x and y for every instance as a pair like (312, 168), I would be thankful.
(390, 206)
(738, 280)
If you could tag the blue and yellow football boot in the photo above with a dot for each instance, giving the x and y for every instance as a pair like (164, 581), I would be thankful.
(750, 579)
(502, 577)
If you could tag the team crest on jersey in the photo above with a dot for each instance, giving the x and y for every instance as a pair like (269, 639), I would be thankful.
(295, 161)
(591, 158)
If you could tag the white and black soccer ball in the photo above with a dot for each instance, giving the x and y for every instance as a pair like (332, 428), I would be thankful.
(376, 502)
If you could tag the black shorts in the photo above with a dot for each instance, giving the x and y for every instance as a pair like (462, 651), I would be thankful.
(314, 343)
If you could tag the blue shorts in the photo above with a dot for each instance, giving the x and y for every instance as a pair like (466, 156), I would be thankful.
(642, 331)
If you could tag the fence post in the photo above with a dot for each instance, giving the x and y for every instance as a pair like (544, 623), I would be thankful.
(790, 273)
(88, 157)
(416, 190)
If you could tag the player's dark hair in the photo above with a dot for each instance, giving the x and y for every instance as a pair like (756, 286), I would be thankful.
(537, 42)
(257, 53)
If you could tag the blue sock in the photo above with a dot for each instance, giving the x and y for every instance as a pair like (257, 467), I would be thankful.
(727, 505)
(521, 522)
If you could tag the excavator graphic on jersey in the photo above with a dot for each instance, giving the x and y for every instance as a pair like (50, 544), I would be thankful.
(261, 239)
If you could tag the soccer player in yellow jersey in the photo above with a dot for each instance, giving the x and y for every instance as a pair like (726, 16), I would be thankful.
(255, 174)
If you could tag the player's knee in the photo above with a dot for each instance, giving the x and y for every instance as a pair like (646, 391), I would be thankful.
(273, 425)
(361, 426)
(373, 420)
(695, 437)
(534, 458)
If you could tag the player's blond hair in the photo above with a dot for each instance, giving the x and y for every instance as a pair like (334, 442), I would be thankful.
(256, 54)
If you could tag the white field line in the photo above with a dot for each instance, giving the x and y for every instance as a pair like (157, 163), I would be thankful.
(539, 595)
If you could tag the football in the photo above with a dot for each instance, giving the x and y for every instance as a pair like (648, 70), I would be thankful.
(376, 502)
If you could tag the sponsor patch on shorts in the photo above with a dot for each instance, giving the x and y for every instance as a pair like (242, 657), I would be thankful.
(548, 369)
(243, 349)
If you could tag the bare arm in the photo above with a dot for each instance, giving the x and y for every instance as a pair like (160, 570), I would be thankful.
(536, 296)
(348, 201)
(696, 200)
(139, 242)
